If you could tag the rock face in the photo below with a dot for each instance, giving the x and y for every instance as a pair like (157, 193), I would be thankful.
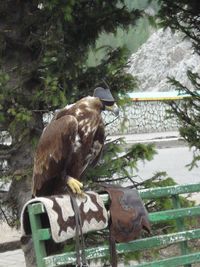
(164, 55)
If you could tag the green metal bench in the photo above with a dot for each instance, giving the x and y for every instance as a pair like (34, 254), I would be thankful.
(180, 236)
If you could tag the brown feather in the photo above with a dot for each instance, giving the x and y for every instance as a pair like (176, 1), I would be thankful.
(51, 154)
(73, 140)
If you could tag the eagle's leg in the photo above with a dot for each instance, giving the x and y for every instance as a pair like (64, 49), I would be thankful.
(74, 185)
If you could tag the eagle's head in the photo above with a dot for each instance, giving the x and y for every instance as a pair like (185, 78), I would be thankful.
(107, 99)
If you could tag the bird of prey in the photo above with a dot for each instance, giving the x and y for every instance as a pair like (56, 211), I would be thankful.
(71, 141)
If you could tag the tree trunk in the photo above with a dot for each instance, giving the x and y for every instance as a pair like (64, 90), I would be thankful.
(19, 56)
(18, 61)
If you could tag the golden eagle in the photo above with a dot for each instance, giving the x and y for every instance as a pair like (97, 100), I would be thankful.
(71, 141)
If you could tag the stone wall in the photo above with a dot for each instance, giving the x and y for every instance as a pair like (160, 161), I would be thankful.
(141, 117)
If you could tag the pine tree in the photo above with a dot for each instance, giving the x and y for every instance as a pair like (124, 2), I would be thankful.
(43, 66)
(184, 16)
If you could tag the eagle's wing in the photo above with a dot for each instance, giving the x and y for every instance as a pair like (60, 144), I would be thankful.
(99, 139)
(54, 150)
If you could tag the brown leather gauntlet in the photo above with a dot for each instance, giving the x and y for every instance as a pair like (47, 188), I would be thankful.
(128, 216)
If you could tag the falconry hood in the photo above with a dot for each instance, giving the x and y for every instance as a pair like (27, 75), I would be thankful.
(107, 99)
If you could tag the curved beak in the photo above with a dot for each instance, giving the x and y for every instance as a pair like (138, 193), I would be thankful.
(114, 109)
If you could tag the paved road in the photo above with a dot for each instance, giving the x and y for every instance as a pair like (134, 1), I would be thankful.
(172, 158)
(12, 259)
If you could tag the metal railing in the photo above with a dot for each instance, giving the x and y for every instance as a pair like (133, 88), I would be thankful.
(180, 236)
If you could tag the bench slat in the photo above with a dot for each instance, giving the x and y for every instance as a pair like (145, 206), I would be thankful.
(44, 234)
(173, 261)
(167, 215)
(37, 208)
(140, 244)
(158, 192)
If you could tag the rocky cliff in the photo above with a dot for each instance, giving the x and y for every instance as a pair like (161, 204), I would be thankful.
(165, 54)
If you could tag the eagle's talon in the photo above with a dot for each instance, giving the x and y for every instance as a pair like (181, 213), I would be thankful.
(75, 185)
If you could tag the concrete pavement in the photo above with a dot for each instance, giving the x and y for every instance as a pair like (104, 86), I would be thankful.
(13, 258)
(160, 139)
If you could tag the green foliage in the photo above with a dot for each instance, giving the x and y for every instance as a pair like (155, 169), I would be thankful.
(188, 114)
(161, 179)
(119, 162)
(133, 37)
(57, 37)
(44, 66)
(4, 78)
(184, 16)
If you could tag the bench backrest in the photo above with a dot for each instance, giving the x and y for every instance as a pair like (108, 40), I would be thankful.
(181, 236)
